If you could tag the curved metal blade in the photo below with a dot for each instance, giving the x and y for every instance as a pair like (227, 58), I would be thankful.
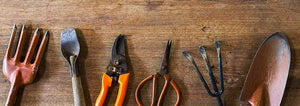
(118, 47)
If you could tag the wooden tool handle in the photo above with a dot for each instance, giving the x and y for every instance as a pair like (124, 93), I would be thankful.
(123, 82)
(78, 94)
(106, 83)
(77, 91)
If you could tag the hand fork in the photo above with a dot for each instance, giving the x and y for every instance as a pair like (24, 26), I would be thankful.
(22, 73)
(217, 92)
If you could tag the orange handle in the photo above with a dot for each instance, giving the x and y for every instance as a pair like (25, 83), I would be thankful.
(123, 82)
(167, 81)
(106, 83)
(138, 88)
(177, 92)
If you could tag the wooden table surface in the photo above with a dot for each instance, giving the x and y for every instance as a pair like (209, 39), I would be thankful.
(241, 26)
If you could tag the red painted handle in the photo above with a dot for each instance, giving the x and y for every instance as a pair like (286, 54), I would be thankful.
(12, 95)
(15, 85)
(106, 83)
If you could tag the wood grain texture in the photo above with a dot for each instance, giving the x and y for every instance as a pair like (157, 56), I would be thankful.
(240, 25)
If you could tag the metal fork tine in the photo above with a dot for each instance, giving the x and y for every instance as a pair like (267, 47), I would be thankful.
(11, 41)
(205, 58)
(32, 46)
(217, 43)
(190, 58)
(41, 49)
(20, 44)
(208, 68)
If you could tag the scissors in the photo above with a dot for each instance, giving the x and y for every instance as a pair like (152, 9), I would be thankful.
(117, 71)
(163, 72)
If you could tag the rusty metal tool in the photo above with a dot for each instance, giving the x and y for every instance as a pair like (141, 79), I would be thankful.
(70, 49)
(217, 93)
(116, 71)
(21, 73)
(163, 72)
(268, 73)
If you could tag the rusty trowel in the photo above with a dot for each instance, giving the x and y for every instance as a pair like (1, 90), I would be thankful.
(268, 73)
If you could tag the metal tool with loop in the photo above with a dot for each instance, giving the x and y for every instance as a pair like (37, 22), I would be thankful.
(164, 73)
(217, 93)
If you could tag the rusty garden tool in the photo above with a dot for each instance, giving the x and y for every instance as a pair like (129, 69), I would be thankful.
(18, 72)
(164, 73)
(70, 49)
(217, 93)
(116, 72)
(267, 76)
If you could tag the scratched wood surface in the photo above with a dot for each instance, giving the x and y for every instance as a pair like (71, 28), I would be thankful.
(240, 25)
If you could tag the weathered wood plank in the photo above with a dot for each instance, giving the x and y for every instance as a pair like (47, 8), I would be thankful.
(240, 25)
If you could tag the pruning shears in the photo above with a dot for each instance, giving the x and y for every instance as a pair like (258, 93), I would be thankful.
(117, 71)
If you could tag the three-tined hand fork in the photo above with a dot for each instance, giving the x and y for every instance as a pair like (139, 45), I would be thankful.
(18, 72)
(216, 93)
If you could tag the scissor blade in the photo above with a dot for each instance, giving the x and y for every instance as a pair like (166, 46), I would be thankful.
(165, 61)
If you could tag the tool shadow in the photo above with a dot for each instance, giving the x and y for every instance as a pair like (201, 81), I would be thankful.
(130, 87)
(292, 80)
(81, 66)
